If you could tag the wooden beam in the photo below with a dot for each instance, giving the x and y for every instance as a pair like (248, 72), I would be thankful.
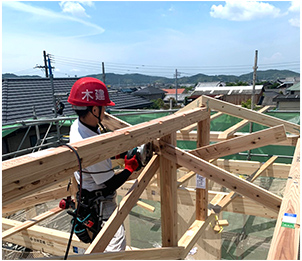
(37, 198)
(30, 222)
(192, 136)
(194, 125)
(186, 196)
(25, 175)
(164, 253)
(285, 242)
(232, 195)
(240, 112)
(191, 236)
(103, 238)
(168, 188)
(44, 239)
(221, 176)
(113, 123)
(231, 131)
(235, 145)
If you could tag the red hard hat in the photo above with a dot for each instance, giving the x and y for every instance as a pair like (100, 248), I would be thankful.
(89, 91)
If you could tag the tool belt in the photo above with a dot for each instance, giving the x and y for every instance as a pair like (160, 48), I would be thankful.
(89, 219)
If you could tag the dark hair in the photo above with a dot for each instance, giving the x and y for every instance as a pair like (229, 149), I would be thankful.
(83, 113)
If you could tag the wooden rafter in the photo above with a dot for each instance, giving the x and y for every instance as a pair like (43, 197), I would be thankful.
(27, 174)
(221, 176)
(223, 203)
(235, 145)
(103, 238)
(243, 113)
(285, 242)
(192, 136)
(231, 131)
(31, 222)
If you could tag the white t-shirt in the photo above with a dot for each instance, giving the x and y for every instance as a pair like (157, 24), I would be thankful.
(91, 182)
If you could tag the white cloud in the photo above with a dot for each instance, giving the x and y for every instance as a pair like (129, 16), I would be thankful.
(244, 10)
(275, 58)
(74, 8)
(294, 22)
(44, 13)
(295, 6)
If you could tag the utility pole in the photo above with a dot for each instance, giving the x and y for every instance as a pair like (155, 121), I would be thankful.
(45, 64)
(53, 98)
(103, 71)
(253, 96)
(176, 74)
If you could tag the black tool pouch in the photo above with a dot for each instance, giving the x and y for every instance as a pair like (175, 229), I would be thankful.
(88, 221)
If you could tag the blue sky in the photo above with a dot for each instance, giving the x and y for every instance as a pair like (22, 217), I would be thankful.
(150, 37)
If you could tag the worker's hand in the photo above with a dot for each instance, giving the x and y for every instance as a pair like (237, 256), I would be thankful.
(131, 164)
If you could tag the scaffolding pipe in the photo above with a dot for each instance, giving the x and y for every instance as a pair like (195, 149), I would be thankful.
(45, 136)
(21, 143)
(28, 149)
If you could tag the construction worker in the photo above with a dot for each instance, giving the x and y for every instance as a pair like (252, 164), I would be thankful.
(89, 98)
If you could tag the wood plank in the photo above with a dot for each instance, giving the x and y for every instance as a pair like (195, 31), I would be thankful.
(185, 178)
(164, 253)
(231, 131)
(243, 113)
(25, 175)
(44, 239)
(117, 217)
(285, 242)
(145, 206)
(191, 236)
(221, 176)
(235, 145)
(168, 188)
(31, 222)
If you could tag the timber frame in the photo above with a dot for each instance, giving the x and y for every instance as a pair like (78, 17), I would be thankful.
(43, 176)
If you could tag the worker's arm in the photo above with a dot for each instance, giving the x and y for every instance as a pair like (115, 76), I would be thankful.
(118, 180)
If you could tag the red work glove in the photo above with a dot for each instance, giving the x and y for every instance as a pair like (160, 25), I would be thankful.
(131, 164)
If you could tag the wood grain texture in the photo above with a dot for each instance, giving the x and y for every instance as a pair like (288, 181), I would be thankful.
(285, 242)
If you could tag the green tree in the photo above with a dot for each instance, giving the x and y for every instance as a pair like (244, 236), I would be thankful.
(157, 104)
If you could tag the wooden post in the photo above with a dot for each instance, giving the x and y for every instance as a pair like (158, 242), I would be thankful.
(168, 188)
(203, 139)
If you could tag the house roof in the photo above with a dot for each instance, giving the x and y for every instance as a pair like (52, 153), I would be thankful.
(226, 90)
(209, 84)
(148, 91)
(290, 98)
(20, 95)
(173, 91)
(295, 87)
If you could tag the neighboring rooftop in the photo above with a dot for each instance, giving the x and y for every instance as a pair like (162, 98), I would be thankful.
(21, 95)
(227, 90)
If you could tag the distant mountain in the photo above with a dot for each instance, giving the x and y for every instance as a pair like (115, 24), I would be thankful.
(140, 79)
(11, 75)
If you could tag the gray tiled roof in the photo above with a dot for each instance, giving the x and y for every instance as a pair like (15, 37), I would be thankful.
(19, 95)
(149, 91)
